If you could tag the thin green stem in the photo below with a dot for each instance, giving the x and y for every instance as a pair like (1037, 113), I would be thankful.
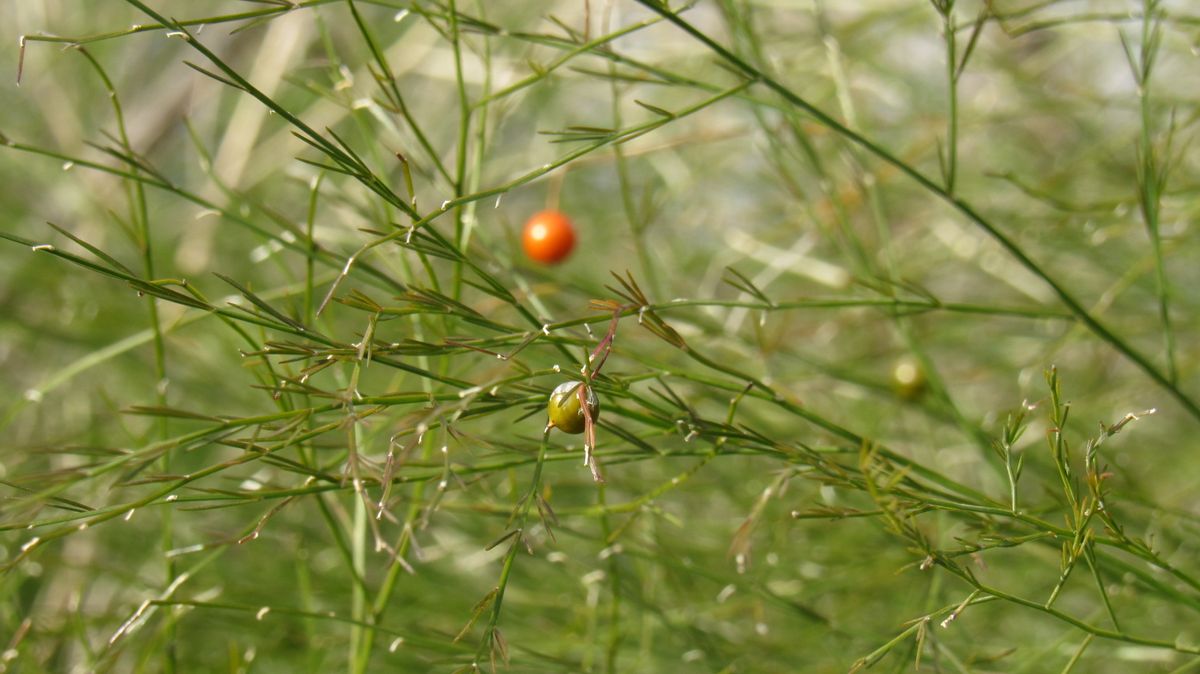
(949, 33)
(492, 643)
(462, 145)
(140, 218)
(1152, 175)
(1113, 635)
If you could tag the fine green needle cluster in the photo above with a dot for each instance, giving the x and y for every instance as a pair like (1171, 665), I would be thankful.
(886, 309)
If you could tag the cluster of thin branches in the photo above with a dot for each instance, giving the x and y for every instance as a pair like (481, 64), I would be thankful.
(407, 373)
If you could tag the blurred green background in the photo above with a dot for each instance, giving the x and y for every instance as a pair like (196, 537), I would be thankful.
(700, 564)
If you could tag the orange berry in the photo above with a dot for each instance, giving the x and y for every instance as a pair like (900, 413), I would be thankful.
(549, 237)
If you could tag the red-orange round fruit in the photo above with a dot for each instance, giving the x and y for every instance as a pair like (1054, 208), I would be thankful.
(549, 237)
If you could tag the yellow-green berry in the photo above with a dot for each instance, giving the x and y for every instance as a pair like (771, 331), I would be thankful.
(566, 414)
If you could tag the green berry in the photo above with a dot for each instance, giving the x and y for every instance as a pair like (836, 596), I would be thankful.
(564, 409)
(908, 378)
